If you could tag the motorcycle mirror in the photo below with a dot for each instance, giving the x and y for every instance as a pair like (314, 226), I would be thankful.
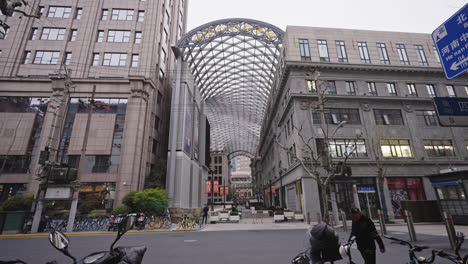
(125, 225)
(60, 241)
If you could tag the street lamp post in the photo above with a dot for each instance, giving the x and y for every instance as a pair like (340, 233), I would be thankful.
(224, 196)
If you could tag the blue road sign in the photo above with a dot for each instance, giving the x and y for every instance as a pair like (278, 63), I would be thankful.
(451, 41)
(365, 189)
(452, 111)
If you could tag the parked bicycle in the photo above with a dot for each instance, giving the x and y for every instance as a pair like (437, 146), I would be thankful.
(412, 249)
(455, 258)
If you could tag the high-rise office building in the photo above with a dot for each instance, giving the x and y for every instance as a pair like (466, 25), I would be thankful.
(49, 68)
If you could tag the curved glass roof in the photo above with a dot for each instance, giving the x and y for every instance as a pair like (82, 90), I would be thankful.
(234, 62)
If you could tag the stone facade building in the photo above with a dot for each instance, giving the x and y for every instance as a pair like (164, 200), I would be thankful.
(382, 85)
(48, 68)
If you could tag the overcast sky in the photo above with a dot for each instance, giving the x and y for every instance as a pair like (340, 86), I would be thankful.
(422, 16)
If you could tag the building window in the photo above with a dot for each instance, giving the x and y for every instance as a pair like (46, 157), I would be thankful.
(95, 59)
(439, 148)
(436, 54)
(339, 148)
(33, 34)
(115, 59)
(59, 12)
(451, 91)
(350, 88)
(450, 192)
(6, 33)
(104, 14)
(431, 90)
(372, 88)
(46, 57)
(167, 18)
(41, 11)
(53, 34)
(421, 55)
(304, 49)
(118, 36)
(341, 51)
(159, 98)
(312, 86)
(364, 52)
(135, 59)
(165, 36)
(411, 89)
(138, 37)
(383, 55)
(162, 58)
(73, 34)
(391, 89)
(141, 16)
(338, 115)
(427, 118)
(100, 36)
(156, 122)
(388, 117)
(161, 75)
(122, 14)
(402, 54)
(331, 87)
(67, 58)
(79, 12)
(395, 148)
(323, 50)
(26, 56)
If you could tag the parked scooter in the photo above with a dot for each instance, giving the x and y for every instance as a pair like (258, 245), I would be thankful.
(118, 255)
(114, 222)
(140, 221)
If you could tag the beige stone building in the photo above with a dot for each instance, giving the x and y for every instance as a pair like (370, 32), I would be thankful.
(48, 68)
(382, 84)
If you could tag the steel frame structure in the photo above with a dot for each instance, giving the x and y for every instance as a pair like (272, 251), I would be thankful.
(234, 62)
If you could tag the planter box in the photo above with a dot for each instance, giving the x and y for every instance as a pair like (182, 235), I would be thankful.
(289, 215)
(234, 218)
(223, 216)
(278, 218)
(214, 218)
(299, 217)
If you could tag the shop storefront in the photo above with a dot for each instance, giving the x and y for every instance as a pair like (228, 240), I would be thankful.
(450, 189)
(403, 189)
(368, 196)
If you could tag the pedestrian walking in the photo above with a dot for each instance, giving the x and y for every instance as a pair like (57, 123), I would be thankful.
(205, 214)
(364, 230)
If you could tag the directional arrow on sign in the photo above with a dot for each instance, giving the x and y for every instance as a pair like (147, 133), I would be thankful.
(455, 65)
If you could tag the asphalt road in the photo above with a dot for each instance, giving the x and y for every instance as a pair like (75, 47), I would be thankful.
(220, 247)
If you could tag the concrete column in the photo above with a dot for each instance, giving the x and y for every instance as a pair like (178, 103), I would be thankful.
(336, 214)
(388, 200)
(132, 160)
(310, 197)
(428, 189)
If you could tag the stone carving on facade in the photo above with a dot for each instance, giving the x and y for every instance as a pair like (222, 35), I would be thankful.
(365, 106)
(407, 107)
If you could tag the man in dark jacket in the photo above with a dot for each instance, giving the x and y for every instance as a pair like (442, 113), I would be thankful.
(364, 231)
(205, 214)
(324, 244)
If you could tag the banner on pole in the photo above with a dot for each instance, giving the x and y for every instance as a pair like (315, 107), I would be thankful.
(208, 186)
(216, 186)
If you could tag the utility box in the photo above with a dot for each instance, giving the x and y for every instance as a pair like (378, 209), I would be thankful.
(59, 174)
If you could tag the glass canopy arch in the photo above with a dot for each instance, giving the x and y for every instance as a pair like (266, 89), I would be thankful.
(234, 62)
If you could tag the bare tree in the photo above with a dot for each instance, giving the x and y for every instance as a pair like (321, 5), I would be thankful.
(314, 158)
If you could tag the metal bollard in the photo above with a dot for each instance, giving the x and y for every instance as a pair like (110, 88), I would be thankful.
(410, 223)
(383, 229)
(308, 218)
(331, 218)
(343, 218)
(319, 218)
(450, 229)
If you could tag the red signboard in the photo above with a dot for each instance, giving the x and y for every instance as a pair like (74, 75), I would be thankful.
(216, 186)
(396, 183)
(273, 189)
(226, 190)
(221, 190)
(208, 186)
(413, 183)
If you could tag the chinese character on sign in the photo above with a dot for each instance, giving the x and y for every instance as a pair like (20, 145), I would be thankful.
(445, 50)
(454, 44)
(461, 18)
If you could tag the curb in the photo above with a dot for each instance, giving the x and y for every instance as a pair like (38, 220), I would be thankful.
(96, 233)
